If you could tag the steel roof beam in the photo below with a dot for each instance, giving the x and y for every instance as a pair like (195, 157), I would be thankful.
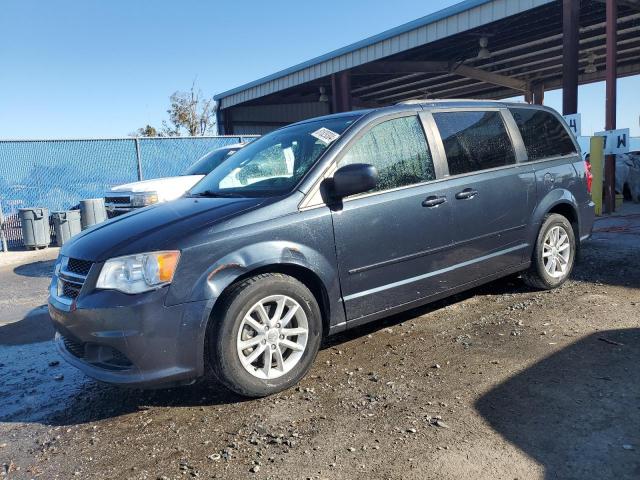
(427, 82)
(633, 4)
(534, 43)
(467, 88)
(461, 69)
(490, 77)
(405, 66)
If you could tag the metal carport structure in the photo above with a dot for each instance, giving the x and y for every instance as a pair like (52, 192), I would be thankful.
(484, 49)
(437, 57)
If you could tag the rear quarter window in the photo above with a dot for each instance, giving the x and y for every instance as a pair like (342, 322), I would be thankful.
(543, 134)
(474, 140)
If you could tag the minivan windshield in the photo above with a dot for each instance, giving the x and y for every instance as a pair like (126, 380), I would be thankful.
(274, 164)
(210, 161)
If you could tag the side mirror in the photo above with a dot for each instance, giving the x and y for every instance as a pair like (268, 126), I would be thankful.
(354, 178)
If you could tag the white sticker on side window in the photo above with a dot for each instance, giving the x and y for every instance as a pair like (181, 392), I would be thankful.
(325, 135)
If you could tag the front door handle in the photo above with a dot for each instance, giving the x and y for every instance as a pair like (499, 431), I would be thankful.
(466, 193)
(433, 201)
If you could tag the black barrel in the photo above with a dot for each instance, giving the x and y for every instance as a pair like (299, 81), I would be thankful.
(66, 225)
(92, 211)
(35, 227)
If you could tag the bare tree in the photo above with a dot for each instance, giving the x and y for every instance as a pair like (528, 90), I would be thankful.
(190, 113)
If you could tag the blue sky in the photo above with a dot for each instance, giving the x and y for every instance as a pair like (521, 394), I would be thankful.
(84, 68)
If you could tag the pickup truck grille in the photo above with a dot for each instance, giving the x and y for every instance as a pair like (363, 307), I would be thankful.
(117, 206)
(125, 201)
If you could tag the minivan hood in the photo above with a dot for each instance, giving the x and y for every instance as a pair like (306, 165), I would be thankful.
(167, 188)
(153, 228)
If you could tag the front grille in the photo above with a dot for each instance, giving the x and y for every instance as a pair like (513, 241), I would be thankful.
(70, 290)
(118, 359)
(73, 273)
(101, 356)
(118, 200)
(79, 267)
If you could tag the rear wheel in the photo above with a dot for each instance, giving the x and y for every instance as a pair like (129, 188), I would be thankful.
(266, 336)
(554, 254)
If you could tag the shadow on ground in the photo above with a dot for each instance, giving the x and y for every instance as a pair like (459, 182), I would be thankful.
(38, 269)
(576, 412)
(33, 328)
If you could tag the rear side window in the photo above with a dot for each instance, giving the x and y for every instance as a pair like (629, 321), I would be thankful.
(474, 140)
(542, 133)
(398, 149)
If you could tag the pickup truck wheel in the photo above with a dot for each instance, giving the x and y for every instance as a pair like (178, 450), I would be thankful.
(264, 335)
(554, 254)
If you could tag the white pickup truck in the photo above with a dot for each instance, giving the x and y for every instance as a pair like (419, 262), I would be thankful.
(124, 198)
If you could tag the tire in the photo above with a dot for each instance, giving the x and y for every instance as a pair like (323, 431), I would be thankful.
(238, 320)
(539, 276)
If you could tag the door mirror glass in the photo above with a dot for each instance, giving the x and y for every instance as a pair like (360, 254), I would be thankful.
(354, 178)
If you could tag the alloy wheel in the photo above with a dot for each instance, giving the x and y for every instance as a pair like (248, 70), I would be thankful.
(272, 337)
(556, 252)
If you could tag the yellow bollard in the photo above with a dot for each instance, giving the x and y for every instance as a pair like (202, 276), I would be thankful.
(596, 156)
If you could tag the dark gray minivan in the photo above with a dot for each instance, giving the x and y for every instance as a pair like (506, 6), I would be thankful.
(318, 227)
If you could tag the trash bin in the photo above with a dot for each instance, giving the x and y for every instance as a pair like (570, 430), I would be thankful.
(35, 227)
(92, 211)
(66, 225)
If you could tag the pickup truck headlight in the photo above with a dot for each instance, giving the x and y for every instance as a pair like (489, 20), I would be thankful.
(139, 273)
(143, 199)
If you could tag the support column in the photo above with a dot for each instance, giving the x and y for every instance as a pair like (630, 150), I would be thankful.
(610, 113)
(219, 121)
(538, 93)
(570, 51)
(341, 92)
(528, 96)
(228, 125)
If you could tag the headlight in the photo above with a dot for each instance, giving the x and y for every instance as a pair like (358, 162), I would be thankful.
(144, 199)
(138, 273)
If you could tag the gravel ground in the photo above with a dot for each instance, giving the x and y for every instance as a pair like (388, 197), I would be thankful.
(501, 382)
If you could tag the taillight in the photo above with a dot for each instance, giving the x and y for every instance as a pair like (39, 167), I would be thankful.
(587, 165)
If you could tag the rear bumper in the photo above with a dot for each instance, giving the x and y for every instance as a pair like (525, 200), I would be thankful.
(131, 339)
(587, 218)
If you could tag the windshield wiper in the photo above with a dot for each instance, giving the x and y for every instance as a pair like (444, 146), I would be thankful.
(211, 193)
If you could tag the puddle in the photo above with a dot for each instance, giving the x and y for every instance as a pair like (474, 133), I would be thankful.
(30, 389)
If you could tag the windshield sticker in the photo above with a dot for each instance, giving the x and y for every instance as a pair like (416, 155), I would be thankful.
(325, 135)
(289, 158)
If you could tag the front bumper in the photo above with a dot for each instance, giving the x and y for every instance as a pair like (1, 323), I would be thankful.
(131, 340)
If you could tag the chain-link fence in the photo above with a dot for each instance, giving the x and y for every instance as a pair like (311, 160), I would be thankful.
(57, 174)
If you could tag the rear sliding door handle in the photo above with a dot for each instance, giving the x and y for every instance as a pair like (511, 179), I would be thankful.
(433, 201)
(466, 193)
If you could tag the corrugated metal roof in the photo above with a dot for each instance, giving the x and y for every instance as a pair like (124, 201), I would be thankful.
(449, 21)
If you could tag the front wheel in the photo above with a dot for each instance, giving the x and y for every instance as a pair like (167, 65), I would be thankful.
(554, 254)
(265, 335)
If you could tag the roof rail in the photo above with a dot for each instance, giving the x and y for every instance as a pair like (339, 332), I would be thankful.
(446, 100)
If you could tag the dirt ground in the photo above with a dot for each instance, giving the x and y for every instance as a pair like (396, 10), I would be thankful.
(501, 382)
